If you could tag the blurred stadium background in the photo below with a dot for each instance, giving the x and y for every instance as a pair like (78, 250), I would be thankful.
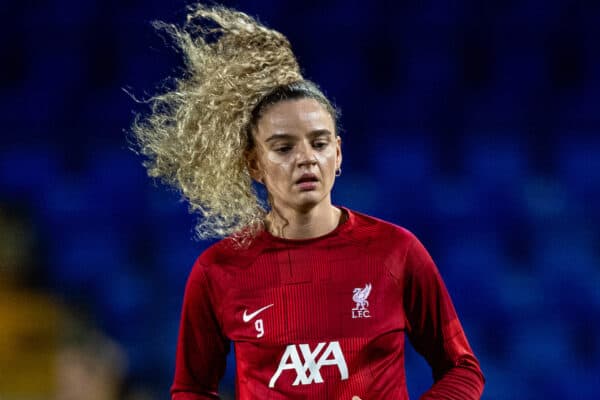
(475, 124)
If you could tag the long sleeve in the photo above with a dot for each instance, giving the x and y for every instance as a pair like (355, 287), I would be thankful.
(436, 333)
(201, 348)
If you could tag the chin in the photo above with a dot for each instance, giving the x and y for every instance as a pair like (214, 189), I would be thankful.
(308, 203)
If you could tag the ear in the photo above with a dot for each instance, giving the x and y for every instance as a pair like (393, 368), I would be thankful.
(253, 165)
(338, 150)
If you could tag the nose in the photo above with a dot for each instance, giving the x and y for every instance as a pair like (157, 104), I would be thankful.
(306, 155)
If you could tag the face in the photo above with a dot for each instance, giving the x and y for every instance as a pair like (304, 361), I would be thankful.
(296, 154)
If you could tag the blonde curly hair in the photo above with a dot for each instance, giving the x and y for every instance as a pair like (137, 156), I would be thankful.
(196, 136)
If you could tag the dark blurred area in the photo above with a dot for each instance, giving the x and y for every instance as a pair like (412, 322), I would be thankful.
(475, 124)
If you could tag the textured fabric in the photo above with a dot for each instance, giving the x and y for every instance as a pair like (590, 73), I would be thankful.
(322, 318)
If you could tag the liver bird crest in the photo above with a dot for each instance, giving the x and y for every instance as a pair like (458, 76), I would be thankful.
(360, 296)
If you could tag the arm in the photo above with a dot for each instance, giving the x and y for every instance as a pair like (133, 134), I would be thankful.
(201, 348)
(436, 333)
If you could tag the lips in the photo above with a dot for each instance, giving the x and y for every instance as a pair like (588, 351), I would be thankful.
(307, 182)
(307, 178)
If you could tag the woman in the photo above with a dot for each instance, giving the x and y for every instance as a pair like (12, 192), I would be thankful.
(315, 298)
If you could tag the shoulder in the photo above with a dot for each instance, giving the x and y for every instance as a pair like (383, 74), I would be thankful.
(217, 253)
(226, 254)
(400, 247)
(383, 231)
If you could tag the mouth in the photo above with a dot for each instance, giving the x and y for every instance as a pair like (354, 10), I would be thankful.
(307, 182)
(307, 178)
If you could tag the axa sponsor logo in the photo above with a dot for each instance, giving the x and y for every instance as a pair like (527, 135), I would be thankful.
(307, 362)
(360, 296)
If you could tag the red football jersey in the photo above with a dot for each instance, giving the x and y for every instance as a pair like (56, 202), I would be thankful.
(321, 318)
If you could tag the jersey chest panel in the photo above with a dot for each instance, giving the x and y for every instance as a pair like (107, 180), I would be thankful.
(290, 296)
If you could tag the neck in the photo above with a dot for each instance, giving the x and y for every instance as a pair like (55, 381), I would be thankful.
(303, 224)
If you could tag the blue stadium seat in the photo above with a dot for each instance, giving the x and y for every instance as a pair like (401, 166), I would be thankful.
(22, 165)
(472, 263)
(82, 257)
(579, 170)
(566, 260)
(498, 159)
(403, 167)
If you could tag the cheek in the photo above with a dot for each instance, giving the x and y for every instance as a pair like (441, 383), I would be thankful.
(276, 162)
(277, 167)
(327, 157)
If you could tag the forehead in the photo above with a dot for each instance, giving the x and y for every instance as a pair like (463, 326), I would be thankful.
(296, 116)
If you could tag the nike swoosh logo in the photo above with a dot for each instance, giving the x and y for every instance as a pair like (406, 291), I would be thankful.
(249, 317)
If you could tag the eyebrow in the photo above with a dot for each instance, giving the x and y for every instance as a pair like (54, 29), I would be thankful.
(312, 134)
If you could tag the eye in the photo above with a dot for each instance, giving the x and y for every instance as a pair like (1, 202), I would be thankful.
(320, 144)
(282, 149)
